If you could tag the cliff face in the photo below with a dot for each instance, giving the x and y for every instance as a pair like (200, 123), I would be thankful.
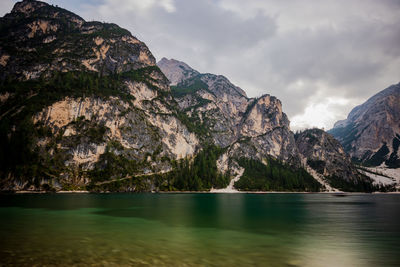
(176, 71)
(325, 155)
(81, 102)
(371, 132)
(246, 127)
(38, 39)
(255, 130)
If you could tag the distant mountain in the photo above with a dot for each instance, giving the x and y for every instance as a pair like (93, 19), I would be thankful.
(371, 132)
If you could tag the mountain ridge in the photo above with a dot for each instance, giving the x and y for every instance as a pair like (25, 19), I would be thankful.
(370, 134)
(261, 130)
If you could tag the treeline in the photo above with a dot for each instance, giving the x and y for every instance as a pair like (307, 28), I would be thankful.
(34, 95)
(363, 184)
(275, 176)
(197, 175)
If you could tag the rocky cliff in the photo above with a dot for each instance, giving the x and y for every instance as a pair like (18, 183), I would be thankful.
(325, 155)
(176, 71)
(81, 102)
(246, 127)
(38, 39)
(371, 132)
(255, 133)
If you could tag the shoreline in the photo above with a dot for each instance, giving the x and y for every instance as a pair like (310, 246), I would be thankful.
(191, 192)
(46, 192)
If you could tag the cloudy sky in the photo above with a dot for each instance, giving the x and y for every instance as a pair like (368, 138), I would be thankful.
(321, 58)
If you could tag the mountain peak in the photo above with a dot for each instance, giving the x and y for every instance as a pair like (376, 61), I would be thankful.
(42, 10)
(371, 131)
(179, 72)
(28, 6)
(325, 155)
(46, 36)
(176, 71)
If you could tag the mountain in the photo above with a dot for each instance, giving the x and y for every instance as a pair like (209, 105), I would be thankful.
(82, 103)
(251, 127)
(176, 71)
(256, 135)
(229, 118)
(83, 106)
(38, 39)
(371, 132)
(326, 156)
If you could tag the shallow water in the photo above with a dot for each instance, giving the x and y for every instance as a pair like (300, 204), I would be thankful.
(200, 229)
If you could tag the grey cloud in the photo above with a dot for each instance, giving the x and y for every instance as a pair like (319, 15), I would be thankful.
(6, 6)
(201, 22)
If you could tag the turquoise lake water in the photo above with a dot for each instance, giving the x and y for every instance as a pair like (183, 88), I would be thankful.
(200, 230)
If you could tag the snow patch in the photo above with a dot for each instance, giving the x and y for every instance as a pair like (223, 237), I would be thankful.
(383, 175)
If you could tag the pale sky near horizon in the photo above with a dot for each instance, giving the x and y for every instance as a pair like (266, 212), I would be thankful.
(320, 58)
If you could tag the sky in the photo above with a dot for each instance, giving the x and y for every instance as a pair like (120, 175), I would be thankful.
(320, 58)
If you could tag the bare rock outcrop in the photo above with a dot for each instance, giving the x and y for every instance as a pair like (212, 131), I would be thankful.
(371, 132)
(247, 127)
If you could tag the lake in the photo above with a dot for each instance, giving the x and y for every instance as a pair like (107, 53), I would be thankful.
(200, 229)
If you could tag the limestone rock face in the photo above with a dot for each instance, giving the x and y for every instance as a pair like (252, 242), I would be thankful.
(325, 154)
(371, 132)
(39, 39)
(176, 71)
(84, 101)
(256, 128)
(247, 127)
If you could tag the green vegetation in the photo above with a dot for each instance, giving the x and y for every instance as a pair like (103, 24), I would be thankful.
(379, 157)
(318, 165)
(107, 30)
(394, 160)
(111, 166)
(275, 176)
(189, 86)
(136, 184)
(192, 124)
(88, 129)
(310, 134)
(198, 174)
(19, 155)
(363, 184)
(32, 96)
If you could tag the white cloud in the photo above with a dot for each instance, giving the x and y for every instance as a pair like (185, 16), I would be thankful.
(321, 114)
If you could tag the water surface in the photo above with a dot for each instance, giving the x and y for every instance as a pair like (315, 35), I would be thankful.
(200, 229)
